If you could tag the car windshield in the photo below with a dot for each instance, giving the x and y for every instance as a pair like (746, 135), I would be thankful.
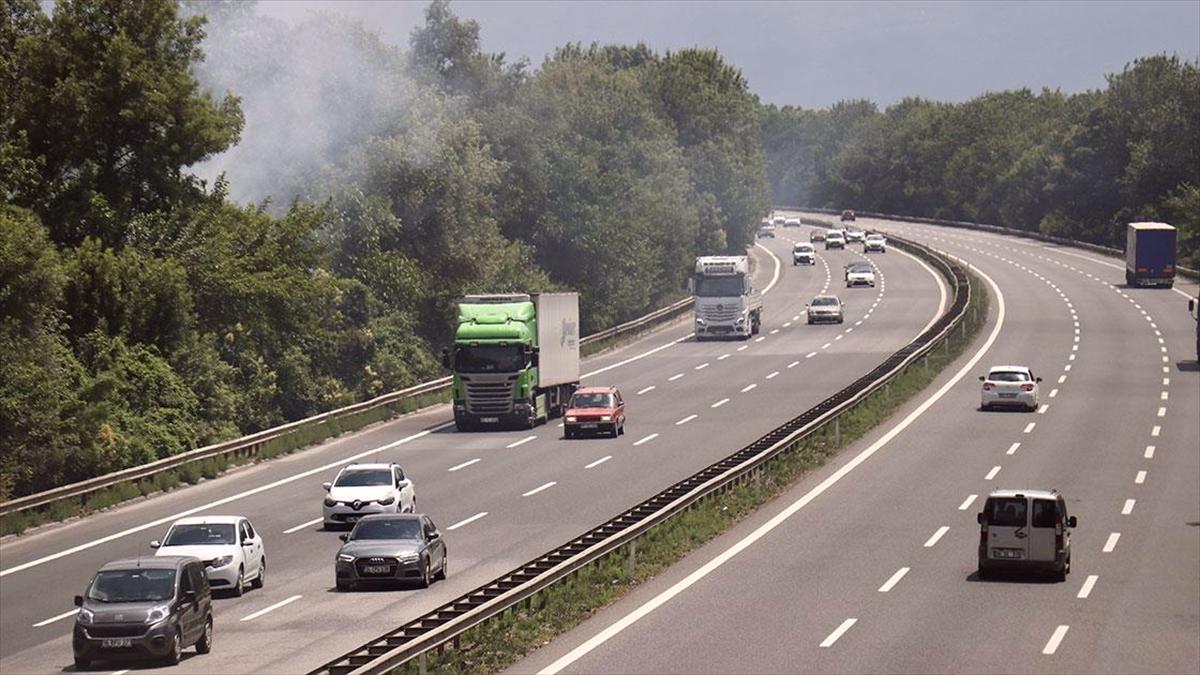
(489, 358)
(1006, 511)
(387, 528)
(200, 534)
(875, 237)
(136, 585)
(364, 478)
(824, 302)
(860, 268)
(803, 248)
(1008, 376)
(592, 401)
(719, 287)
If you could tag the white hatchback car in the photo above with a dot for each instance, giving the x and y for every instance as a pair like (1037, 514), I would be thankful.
(362, 489)
(1010, 386)
(232, 551)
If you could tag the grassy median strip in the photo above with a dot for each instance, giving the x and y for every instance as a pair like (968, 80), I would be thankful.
(501, 642)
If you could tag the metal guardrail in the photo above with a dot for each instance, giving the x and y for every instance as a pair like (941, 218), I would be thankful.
(250, 445)
(995, 229)
(446, 623)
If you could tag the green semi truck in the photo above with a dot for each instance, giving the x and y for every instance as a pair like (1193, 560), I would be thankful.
(515, 359)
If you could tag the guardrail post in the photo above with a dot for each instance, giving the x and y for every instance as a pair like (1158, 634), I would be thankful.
(421, 665)
(837, 431)
(926, 362)
(631, 562)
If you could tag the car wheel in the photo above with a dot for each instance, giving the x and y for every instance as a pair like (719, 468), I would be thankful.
(261, 579)
(568, 434)
(204, 646)
(622, 428)
(426, 576)
(176, 652)
(82, 663)
(441, 573)
(239, 585)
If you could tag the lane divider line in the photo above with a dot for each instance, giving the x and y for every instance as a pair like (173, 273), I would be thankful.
(687, 419)
(1111, 543)
(720, 403)
(647, 439)
(302, 526)
(598, 462)
(838, 632)
(1055, 640)
(545, 486)
(464, 465)
(1088, 585)
(60, 617)
(895, 579)
(264, 610)
(523, 441)
(932, 541)
(468, 521)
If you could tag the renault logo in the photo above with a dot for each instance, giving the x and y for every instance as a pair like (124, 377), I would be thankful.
(356, 504)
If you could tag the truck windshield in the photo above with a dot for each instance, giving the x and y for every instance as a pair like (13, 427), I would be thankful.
(489, 359)
(719, 287)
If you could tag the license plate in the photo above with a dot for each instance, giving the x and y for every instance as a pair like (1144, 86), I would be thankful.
(1008, 395)
(116, 643)
(490, 420)
(1006, 552)
(377, 569)
(589, 425)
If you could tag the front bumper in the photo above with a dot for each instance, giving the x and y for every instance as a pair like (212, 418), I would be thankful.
(851, 283)
(137, 641)
(399, 569)
(803, 260)
(587, 427)
(343, 514)
(222, 577)
(824, 318)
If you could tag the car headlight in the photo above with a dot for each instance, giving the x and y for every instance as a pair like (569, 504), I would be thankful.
(387, 500)
(408, 557)
(222, 561)
(741, 320)
(606, 418)
(345, 557)
(570, 418)
(701, 322)
(330, 502)
(158, 614)
(86, 616)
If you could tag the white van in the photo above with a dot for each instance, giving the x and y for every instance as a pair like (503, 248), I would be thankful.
(1025, 530)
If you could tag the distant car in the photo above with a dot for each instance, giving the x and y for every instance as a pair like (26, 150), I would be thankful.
(1025, 530)
(595, 410)
(817, 235)
(1009, 386)
(767, 230)
(804, 254)
(859, 274)
(363, 489)
(825, 309)
(792, 222)
(875, 242)
(232, 551)
(853, 234)
(835, 239)
(847, 216)
(144, 608)
(779, 221)
(390, 548)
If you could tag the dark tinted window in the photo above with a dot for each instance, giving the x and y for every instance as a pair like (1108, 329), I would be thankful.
(1044, 512)
(1007, 511)
(200, 534)
(1008, 376)
(364, 477)
(136, 585)
(824, 302)
(405, 528)
(199, 580)
(249, 528)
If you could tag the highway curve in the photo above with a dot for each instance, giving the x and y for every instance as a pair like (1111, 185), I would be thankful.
(689, 404)
(876, 572)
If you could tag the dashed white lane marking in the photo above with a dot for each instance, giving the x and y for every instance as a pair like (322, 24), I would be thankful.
(52, 619)
(748, 387)
(936, 536)
(992, 474)
(1149, 454)
(1163, 396)
(1029, 427)
(1055, 639)
(1156, 430)
(810, 355)
(545, 486)
(1044, 407)
(674, 377)
(793, 364)
(826, 345)
(468, 521)
(310, 523)
(838, 632)
(687, 419)
(119, 672)
(702, 366)
(1111, 543)
(723, 357)
(796, 318)
(1053, 393)
(645, 439)
(895, 579)
(1067, 367)
(1128, 508)
(1139, 478)
(645, 390)
(773, 331)
(1013, 448)
(720, 403)
(967, 502)
(1062, 378)
(464, 465)
(523, 441)
(859, 323)
(839, 337)
(1166, 381)
(1162, 412)
(773, 374)
(598, 462)
(787, 324)
(1088, 584)
(264, 610)
(760, 338)
(743, 348)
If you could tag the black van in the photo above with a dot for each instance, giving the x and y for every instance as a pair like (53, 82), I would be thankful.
(144, 608)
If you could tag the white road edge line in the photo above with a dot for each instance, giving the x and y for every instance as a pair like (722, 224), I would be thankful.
(1055, 639)
(310, 523)
(762, 530)
(264, 610)
(539, 488)
(895, 579)
(838, 632)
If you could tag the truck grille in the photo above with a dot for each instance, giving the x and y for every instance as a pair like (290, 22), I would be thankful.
(117, 630)
(728, 313)
(489, 397)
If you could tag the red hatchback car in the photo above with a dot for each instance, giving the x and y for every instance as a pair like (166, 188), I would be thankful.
(595, 410)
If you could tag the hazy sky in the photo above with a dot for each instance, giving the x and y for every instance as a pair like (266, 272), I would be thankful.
(816, 53)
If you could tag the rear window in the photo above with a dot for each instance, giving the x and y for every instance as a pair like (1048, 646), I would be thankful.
(1008, 376)
(1006, 511)
(1044, 512)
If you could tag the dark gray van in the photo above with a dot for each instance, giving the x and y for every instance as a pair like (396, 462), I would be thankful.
(144, 608)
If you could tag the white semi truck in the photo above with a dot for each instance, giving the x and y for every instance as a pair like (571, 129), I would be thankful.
(727, 303)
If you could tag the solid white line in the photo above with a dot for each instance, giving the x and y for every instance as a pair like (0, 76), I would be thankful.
(523, 441)
(842, 471)
(1013, 448)
(1156, 430)
(748, 387)
(895, 579)
(1149, 452)
(810, 355)
(967, 502)
(992, 474)
(647, 389)
(687, 419)
(472, 519)
(702, 366)
(936, 536)
(464, 465)
(52, 619)
(281, 603)
(647, 439)
(1088, 584)
(1139, 478)
(220, 502)
(1128, 508)
(1112, 542)
(793, 364)
(775, 276)
(301, 526)
(1055, 639)
(837, 633)
(598, 462)
(1029, 427)
(674, 377)
(773, 374)
(1044, 407)
(720, 403)
(539, 488)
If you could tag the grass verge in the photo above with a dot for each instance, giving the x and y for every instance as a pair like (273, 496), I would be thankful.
(504, 640)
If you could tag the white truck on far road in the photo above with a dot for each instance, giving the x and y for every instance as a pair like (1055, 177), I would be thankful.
(727, 303)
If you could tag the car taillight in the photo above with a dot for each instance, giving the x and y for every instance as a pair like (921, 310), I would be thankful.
(1058, 532)
(1027, 387)
(987, 386)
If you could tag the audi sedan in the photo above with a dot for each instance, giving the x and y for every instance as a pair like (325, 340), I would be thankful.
(390, 548)
(1009, 387)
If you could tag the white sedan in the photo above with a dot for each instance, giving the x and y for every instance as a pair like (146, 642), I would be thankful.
(1010, 386)
(232, 551)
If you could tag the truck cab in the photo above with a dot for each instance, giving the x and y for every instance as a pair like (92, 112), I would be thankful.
(727, 303)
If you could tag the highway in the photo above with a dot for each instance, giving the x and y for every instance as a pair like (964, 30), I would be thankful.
(500, 498)
(868, 564)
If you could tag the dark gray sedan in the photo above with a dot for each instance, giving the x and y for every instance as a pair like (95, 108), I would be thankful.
(390, 547)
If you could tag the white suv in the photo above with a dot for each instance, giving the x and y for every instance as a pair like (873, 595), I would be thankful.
(362, 489)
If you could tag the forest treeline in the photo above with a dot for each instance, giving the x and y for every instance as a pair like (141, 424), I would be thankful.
(143, 312)
(1079, 166)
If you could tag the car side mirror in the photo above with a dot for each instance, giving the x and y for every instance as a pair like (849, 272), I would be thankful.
(446, 358)
(1191, 305)
(435, 535)
(344, 537)
(188, 596)
(1072, 522)
(534, 359)
(155, 544)
(79, 601)
(981, 518)
(1037, 379)
(982, 378)
(248, 542)
(327, 485)
(402, 483)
